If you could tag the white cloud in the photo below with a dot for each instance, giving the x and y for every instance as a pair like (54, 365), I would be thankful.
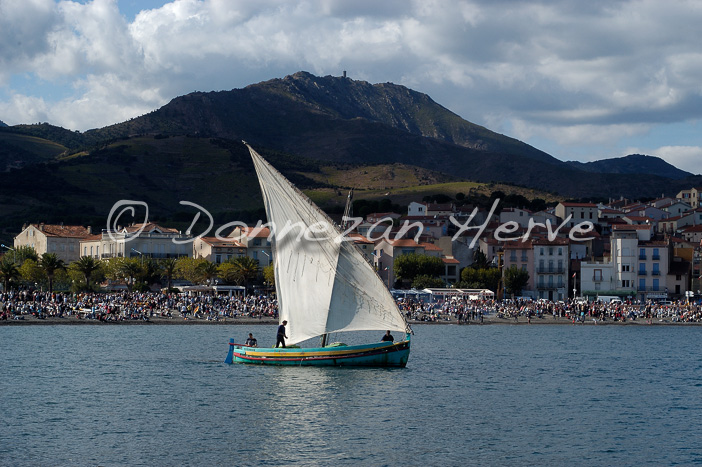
(574, 73)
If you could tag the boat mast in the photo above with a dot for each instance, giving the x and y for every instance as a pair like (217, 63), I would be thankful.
(345, 222)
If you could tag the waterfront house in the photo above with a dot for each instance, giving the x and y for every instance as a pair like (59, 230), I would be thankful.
(217, 251)
(62, 240)
(551, 263)
(136, 241)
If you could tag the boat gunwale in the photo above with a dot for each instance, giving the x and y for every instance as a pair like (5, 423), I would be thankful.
(360, 353)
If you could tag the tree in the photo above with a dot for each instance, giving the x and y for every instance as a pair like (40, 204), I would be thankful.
(86, 266)
(411, 265)
(479, 260)
(207, 272)
(150, 272)
(248, 269)
(129, 270)
(31, 272)
(485, 278)
(168, 268)
(269, 275)
(23, 253)
(424, 281)
(228, 272)
(51, 263)
(187, 268)
(8, 272)
(515, 280)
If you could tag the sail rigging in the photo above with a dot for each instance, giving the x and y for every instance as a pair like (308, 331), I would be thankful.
(323, 283)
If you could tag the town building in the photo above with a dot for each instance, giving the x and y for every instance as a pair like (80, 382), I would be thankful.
(257, 243)
(693, 197)
(62, 240)
(141, 240)
(578, 212)
(217, 251)
(551, 262)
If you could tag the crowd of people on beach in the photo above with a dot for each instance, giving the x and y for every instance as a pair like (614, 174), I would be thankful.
(465, 310)
(144, 306)
(121, 306)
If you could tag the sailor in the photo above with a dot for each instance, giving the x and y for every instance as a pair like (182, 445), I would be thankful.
(387, 337)
(251, 341)
(281, 336)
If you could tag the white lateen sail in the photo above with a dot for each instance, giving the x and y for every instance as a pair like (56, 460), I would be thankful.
(324, 285)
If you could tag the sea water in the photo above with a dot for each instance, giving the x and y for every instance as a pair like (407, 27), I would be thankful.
(470, 395)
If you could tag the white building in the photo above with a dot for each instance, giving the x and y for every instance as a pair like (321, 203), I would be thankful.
(62, 240)
(138, 240)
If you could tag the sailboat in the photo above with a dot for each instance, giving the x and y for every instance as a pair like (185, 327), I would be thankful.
(324, 285)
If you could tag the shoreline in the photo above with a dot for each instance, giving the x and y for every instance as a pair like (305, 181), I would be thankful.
(488, 321)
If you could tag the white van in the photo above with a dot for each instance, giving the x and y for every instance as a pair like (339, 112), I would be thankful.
(614, 300)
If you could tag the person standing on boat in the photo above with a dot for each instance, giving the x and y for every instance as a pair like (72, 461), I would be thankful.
(281, 336)
(387, 337)
(251, 341)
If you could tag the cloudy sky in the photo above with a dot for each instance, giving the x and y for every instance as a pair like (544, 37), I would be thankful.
(581, 80)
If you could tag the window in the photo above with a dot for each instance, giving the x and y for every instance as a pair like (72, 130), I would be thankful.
(642, 284)
(678, 277)
(656, 254)
(597, 275)
(597, 286)
(550, 251)
(655, 284)
(626, 267)
(541, 251)
(560, 251)
(656, 270)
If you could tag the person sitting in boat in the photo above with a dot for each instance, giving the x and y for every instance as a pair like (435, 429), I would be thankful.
(387, 337)
(281, 336)
(251, 341)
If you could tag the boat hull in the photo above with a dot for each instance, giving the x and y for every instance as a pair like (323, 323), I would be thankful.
(382, 354)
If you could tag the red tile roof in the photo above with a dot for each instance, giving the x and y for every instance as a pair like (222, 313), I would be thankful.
(65, 231)
(149, 227)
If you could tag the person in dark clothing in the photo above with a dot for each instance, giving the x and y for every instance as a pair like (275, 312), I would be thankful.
(387, 337)
(251, 341)
(281, 336)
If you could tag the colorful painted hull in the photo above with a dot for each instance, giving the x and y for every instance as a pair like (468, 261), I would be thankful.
(382, 354)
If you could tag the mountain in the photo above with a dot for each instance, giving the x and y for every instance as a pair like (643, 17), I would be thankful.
(307, 126)
(2, 124)
(633, 164)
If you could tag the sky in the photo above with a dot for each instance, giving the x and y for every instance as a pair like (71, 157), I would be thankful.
(580, 80)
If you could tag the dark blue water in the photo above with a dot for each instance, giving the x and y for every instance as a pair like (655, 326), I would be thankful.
(476, 395)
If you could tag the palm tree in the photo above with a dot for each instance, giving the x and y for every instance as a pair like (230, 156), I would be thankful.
(130, 269)
(208, 271)
(86, 265)
(247, 268)
(9, 272)
(51, 263)
(168, 268)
